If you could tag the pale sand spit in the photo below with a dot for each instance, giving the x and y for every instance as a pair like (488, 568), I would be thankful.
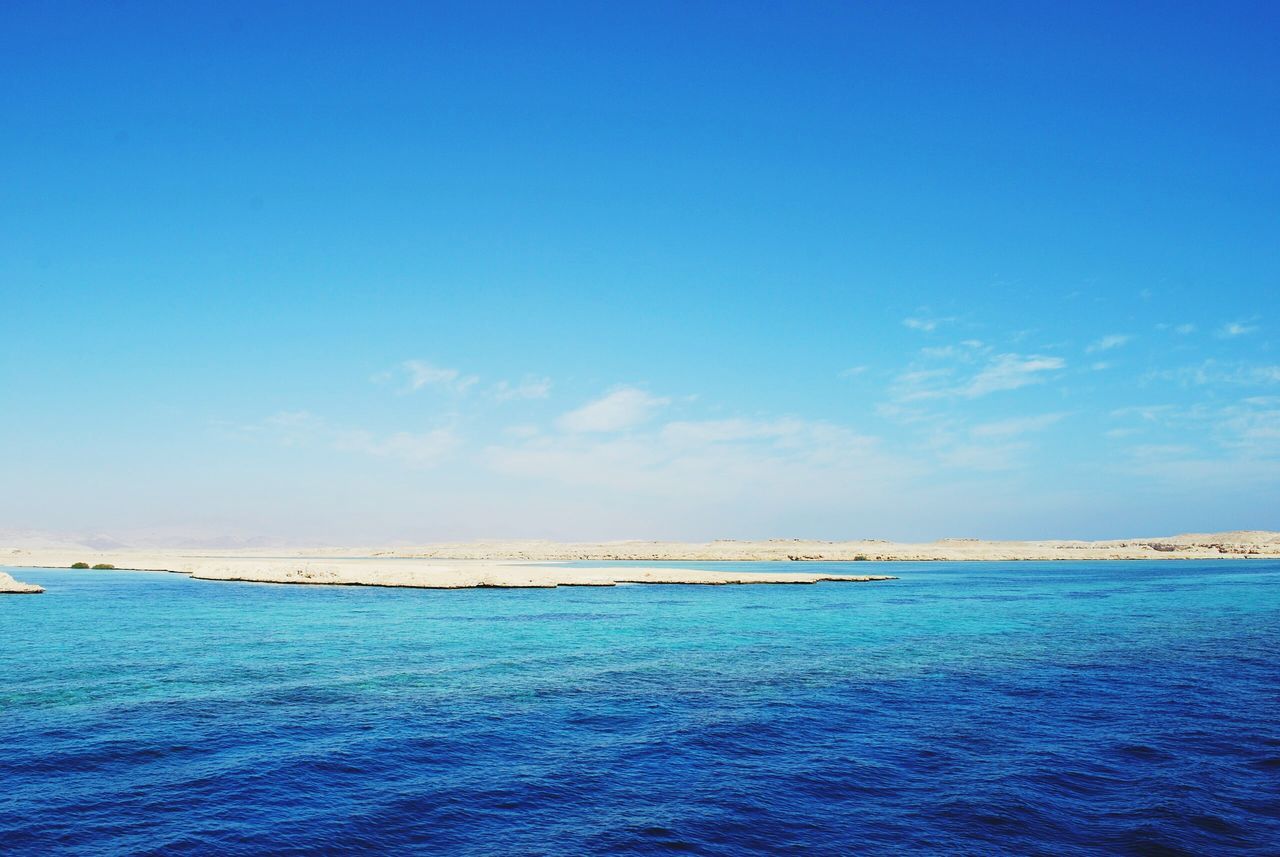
(9, 586)
(466, 575)
(476, 564)
(422, 574)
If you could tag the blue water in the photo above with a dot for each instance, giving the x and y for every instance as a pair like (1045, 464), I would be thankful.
(1019, 708)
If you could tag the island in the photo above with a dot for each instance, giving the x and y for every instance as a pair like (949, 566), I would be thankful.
(514, 564)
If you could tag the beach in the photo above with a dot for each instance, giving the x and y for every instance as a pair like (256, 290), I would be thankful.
(416, 573)
(520, 564)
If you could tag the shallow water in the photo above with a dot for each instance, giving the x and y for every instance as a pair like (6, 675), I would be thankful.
(1020, 708)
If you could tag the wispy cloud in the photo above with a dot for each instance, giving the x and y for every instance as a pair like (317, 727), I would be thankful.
(304, 429)
(957, 379)
(1015, 426)
(1106, 343)
(710, 460)
(529, 388)
(620, 409)
(425, 375)
(981, 456)
(414, 375)
(1231, 448)
(1208, 444)
(421, 449)
(926, 325)
(1149, 413)
(1252, 426)
(1216, 372)
(920, 324)
(1232, 329)
(695, 432)
(917, 384)
(1011, 371)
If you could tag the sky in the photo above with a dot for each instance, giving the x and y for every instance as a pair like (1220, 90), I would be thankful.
(369, 273)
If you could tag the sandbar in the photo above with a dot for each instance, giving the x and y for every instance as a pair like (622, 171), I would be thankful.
(509, 563)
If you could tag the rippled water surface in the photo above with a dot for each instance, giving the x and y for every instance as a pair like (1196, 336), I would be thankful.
(1019, 708)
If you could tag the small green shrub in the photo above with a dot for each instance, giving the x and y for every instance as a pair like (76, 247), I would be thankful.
(862, 557)
(79, 565)
(104, 565)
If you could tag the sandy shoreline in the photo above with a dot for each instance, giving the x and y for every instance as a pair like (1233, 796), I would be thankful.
(417, 574)
(468, 575)
(1188, 546)
(507, 563)
(9, 586)
(1254, 543)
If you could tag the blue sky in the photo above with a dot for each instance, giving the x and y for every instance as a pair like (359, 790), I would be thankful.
(384, 272)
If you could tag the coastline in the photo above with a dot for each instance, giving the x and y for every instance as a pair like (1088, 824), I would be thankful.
(519, 564)
(422, 574)
(9, 586)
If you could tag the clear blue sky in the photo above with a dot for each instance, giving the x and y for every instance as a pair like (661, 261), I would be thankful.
(359, 272)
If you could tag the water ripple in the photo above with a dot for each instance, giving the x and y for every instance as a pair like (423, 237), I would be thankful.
(1050, 709)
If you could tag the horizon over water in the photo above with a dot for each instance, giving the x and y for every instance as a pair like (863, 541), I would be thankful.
(966, 708)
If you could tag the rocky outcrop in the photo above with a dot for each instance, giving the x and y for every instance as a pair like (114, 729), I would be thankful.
(9, 586)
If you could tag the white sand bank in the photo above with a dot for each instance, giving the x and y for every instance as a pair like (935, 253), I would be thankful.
(9, 586)
(424, 574)
(452, 566)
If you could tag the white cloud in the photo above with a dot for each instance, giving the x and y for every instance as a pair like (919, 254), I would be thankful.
(529, 388)
(1215, 372)
(621, 409)
(1236, 328)
(417, 374)
(927, 325)
(423, 449)
(917, 384)
(1252, 426)
(1185, 329)
(923, 381)
(977, 456)
(1015, 426)
(289, 428)
(853, 371)
(1011, 371)
(304, 429)
(713, 460)
(1106, 343)
(1149, 413)
(728, 431)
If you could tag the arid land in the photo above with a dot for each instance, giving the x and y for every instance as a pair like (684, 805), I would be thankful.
(530, 563)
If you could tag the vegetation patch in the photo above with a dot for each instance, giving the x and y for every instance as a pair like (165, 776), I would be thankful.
(79, 565)
(104, 565)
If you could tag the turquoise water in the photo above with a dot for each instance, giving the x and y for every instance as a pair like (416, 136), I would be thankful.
(1053, 708)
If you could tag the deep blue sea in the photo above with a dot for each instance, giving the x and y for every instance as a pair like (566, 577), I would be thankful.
(1003, 708)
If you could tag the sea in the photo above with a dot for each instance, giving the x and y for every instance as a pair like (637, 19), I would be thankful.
(965, 708)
